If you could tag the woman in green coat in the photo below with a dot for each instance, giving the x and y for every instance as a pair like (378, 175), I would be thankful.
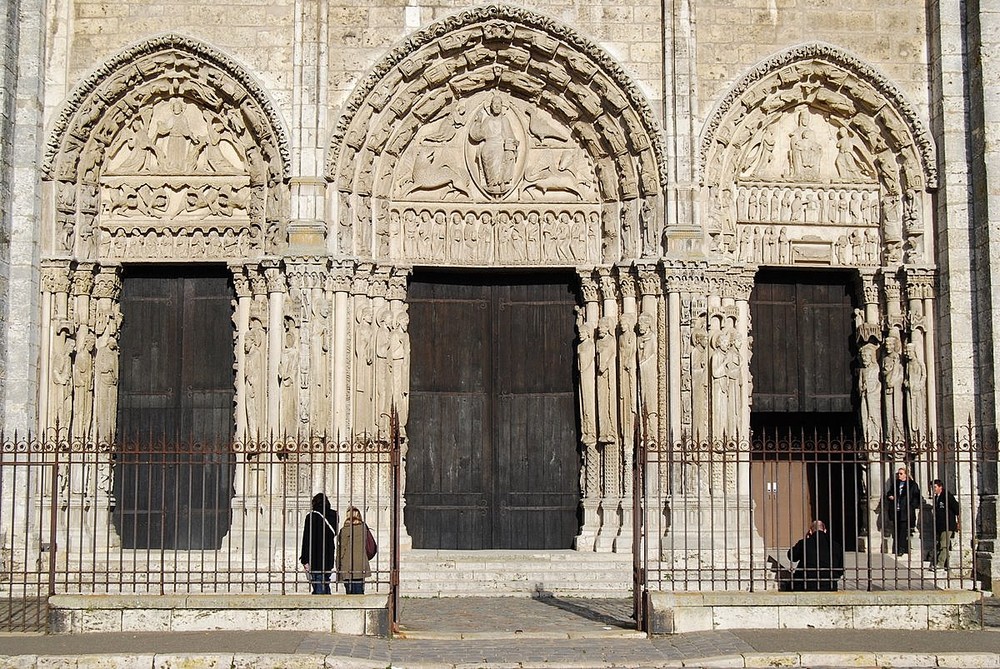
(352, 560)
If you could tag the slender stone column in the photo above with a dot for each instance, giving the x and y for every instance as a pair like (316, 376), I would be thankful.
(590, 482)
(276, 301)
(83, 363)
(339, 284)
(55, 287)
(609, 446)
(920, 295)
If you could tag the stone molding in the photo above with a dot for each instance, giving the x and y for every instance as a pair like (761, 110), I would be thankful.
(894, 99)
(498, 112)
(550, 33)
(169, 150)
(125, 61)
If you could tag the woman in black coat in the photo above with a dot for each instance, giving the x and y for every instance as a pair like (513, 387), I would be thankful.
(903, 500)
(319, 555)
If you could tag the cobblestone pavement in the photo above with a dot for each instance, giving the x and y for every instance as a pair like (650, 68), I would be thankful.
(474, 617)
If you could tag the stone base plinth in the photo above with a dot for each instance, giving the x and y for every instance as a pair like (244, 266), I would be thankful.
(676, 612)
(362, 615)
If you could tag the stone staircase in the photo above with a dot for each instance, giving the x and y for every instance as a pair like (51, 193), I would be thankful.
(566, 573)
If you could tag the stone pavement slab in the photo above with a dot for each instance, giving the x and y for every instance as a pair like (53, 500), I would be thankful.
(730, 648)
(471, 633)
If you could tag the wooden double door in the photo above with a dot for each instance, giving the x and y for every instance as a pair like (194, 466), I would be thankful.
(174, 468)
(493, 459)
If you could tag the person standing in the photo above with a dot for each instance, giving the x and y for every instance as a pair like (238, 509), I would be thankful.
(820, 560)
(318, 553)
(352, 557)
(903, 500)
(946, 523)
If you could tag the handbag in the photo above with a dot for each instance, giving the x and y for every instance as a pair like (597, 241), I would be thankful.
(371, 548)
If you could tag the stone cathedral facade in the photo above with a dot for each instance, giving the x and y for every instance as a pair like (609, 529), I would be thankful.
(321, 154)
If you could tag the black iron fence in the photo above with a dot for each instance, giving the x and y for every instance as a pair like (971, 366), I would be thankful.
(141, 518)
(731, 515)
(146, 518)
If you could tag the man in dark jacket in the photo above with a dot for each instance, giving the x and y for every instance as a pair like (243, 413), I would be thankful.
(946, 523)
(820, 560)
(902, 501)
(319, 534)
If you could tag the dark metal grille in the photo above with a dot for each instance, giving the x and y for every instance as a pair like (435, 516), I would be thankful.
(724, 515)
(146, 518)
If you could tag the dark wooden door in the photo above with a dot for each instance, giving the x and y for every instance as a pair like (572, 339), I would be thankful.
(173, 478)
(493, 459)
(802, 349)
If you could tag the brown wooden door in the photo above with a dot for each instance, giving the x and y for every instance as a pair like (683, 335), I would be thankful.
(173, 476)
(493, 459)
(782, 503)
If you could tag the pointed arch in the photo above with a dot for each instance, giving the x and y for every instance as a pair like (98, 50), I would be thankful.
(854, 86)
(168, 149)
(526, 55)
(162, 65)
(815, 157)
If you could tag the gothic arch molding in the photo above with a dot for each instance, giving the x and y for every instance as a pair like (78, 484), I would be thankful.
(861, 83)
(169, 150)
(816, 158)
(576, 131)
(109, 91)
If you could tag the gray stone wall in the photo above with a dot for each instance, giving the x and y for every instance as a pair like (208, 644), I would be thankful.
(21, 176)
(8, 82)
(733, 36)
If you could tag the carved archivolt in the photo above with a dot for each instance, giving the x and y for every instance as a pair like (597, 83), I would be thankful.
(814, 158)
(169, 150)
(497, 113)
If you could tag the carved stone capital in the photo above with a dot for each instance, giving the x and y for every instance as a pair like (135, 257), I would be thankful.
(341, 280)
(891, 286)
(609, 286)
(920, 283)
(258, 284)
(589, 286)
(273, 275)
(627, 285)
(397, 285)
(83, 279)
(241, 283)
(55, 276)
(108, 282)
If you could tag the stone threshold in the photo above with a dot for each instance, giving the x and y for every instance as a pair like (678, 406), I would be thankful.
(677, 612)
(360, 615)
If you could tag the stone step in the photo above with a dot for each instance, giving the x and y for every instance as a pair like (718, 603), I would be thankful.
(433, 573)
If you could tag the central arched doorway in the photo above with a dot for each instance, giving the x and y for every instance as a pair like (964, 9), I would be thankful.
(493, 461)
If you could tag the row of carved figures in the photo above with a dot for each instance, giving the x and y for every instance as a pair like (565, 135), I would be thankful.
(378, 358)
(772, 245)
(853, 207)
(485, 237)
(187, 243)
(892, 387)
(83, 370)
